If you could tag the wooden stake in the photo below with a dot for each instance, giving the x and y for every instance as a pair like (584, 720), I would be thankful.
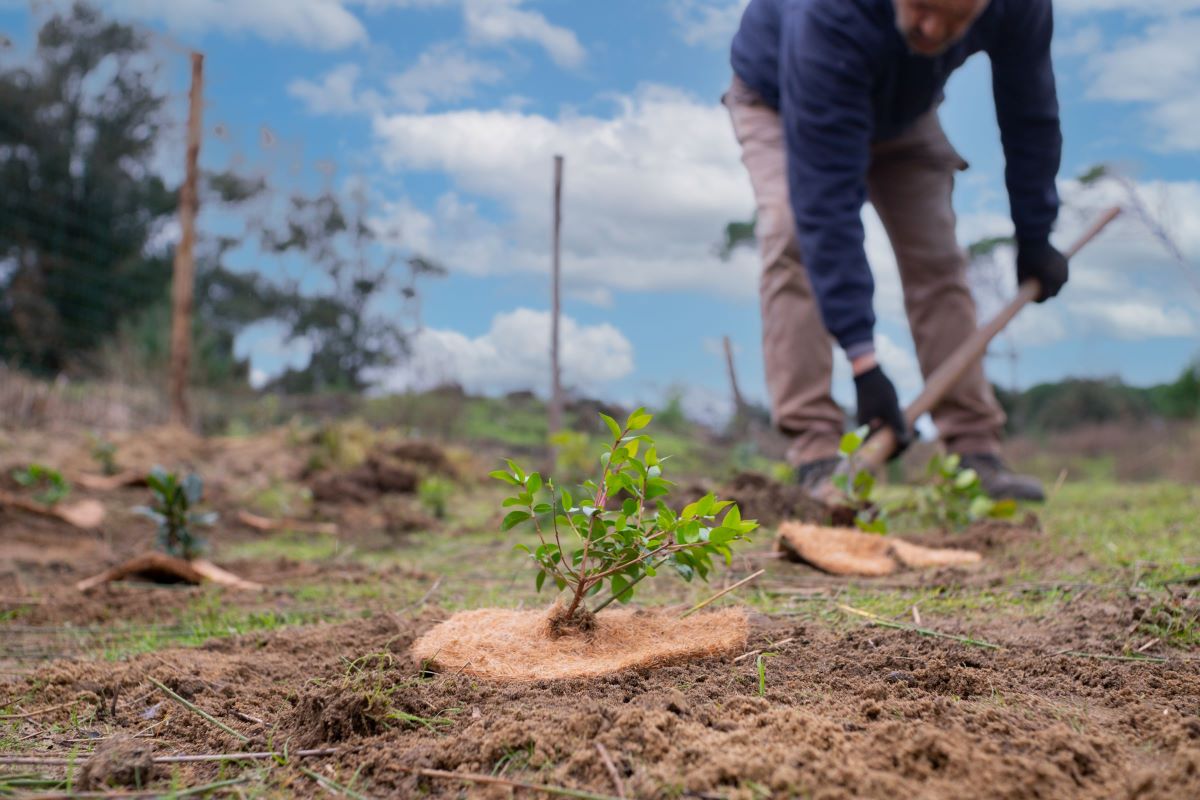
(556, 398)
(739, 403)
(183, 281)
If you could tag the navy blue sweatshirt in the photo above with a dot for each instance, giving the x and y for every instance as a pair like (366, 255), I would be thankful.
(842, 77)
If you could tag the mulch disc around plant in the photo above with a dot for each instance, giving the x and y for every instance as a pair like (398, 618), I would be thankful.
(846, 551)
(516, 646)
(164, 569)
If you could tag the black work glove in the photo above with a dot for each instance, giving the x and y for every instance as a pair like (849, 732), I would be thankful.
(878, 405)
(1038, 259)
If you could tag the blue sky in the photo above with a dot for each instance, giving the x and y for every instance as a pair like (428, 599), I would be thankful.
(450, 111)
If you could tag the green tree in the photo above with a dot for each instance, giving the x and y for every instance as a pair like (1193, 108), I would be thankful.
(79, 200)
(350, 334)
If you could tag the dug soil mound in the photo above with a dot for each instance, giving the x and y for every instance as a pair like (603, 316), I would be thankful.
(398, 469)
(505, 645)
(857, 712)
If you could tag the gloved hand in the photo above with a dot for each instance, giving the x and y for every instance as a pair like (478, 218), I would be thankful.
(878, 405)
(1038, 259)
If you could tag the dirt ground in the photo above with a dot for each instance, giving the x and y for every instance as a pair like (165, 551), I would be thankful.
(1057, 669)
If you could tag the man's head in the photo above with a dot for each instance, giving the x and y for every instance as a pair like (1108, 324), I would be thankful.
(931, 26)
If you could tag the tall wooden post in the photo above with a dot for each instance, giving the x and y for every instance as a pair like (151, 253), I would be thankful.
(556, 398)
(182, 286)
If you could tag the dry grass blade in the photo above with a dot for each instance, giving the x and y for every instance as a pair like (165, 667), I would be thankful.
(875, 619)
(332, 785)
(468, 777)
(187, 792)
(720, 594)
(618, 784)
(197, 710)
(56, 761)
(37, 713)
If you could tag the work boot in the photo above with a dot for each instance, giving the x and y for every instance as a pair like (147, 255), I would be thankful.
(815, 477)
(1000, 482)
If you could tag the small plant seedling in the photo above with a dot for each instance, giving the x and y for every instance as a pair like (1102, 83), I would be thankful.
(761, 664)
(952, 497)
(435, 494)
(173, 511)
(104, 453)
(52, 488)
(622, 529)
(857, 485)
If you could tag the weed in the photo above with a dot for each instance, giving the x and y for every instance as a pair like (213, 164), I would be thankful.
(629, 541)
(104, 453)
(51, 486)
(760, 664)
(435, 493)
(174, 500)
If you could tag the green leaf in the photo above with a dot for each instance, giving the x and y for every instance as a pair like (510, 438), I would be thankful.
(1003, 509)
(619, 586)
(540, 580)
(981, 507)
(543, 508)
(612, 425)
(638, 420)
(513, 519)
(733, 519)
(851, 442)
(513, 501)
(516, 471)
(501, 475)
(522, 548)
(966, 479)
(533, 483)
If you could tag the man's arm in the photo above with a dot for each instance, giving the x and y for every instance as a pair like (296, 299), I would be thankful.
(825, 98)
(1027, 110)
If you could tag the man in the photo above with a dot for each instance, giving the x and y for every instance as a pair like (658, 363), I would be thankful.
(834, 101)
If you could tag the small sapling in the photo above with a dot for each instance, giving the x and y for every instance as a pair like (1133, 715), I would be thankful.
(173, 511)
(617, 530)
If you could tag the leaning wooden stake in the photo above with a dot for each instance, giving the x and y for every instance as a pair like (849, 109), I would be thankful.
(183, 281)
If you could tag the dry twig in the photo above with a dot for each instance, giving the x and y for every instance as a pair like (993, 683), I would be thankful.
(612, 769)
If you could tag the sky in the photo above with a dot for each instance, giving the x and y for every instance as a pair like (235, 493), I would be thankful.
(449, 114)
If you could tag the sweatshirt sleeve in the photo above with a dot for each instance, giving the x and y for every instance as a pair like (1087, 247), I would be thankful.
(1027, 110)
(825, 92)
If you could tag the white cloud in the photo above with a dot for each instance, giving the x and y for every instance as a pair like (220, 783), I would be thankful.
(441, 74)
(514, 354)
(335, 93)
(711, 23)
(319, 24)
(1133, 7)
(502, 21)
(642, 205)
(1159, 67)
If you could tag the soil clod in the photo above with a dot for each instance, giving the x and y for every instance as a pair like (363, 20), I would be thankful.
(121, 761)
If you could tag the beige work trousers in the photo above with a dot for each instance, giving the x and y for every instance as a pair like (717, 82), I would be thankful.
(910, 181)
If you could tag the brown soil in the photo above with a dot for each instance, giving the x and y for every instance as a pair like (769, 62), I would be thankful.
(867, 712)
(758, 497)
(119, 761)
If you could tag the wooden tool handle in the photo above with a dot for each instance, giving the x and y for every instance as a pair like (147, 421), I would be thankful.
(882, 444)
